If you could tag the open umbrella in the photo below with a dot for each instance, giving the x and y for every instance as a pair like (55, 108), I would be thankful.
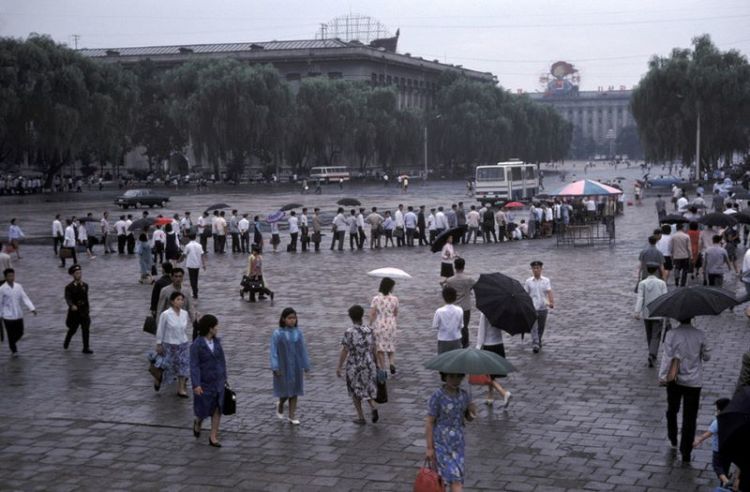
(470, 361)
(290, 206)
(349, 202)
(742, 217)
(718, 219)
(217, 206)
(674, 219)
(83, 220)
(439, 242)
(620, 177)
(514, 205)
(505, 303)
(275, 216)
(688, 302)
(162, 221)
(390, 272)
(734, 429)
(141, 224)
(743, 195)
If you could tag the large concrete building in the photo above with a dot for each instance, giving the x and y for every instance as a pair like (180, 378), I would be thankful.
(377, 63)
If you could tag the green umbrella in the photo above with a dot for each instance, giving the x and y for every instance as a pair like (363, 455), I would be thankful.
(470, 361)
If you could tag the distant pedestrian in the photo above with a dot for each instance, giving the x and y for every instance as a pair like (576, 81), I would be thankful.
(649, 289)
(383, 314)
(208, 377)
(650, 256)
(447, 321)
(661, 207)
(12, 296)
(57, 233)
(293, 223)
(145, 258)
(275, 239)
(681, 255)
(316, 226)
(5, 263)
(254, 282)
(358, 351)
(717, 263)
(257, 233)
(447, 256)
(15, 234)
(449, 408)
(159, 284)
(172, 248)
(463, 284)
(195, 259)
(684, 351)
(172, 343)
(540, 290)
(68, 248)
(77, 298)
(130, 235)
(289, 362)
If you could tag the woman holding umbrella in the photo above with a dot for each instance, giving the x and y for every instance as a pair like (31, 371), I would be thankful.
(383, 313)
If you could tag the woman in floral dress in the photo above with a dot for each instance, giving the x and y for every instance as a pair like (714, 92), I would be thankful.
(358, 350)
(448, 408)
(383, 313)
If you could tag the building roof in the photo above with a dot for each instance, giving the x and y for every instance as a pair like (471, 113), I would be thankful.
(214, 48)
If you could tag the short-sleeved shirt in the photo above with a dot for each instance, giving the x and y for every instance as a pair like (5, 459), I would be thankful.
(650, 255)
(714, 430)
(193, 254)
(538, 289)
(716, 260)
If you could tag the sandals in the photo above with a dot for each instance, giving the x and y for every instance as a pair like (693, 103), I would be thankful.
(197, 428)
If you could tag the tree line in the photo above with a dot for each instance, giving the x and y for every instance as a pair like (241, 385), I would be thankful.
(58, 107)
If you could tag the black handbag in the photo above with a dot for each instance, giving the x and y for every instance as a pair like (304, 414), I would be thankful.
(382, 394)
(230, 402)
(149, 326)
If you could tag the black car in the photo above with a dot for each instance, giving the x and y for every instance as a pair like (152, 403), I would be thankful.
(141, 198)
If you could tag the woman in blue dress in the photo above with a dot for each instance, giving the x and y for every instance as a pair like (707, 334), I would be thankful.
(448, 408)
(288, 362)
(145, 258)
(208, 376)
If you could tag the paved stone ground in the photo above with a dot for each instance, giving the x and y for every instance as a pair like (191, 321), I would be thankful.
(587, 413)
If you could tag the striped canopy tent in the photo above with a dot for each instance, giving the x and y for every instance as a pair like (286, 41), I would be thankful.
(586, 187)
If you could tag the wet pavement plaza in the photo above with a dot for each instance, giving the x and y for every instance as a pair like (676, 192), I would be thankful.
(586, 414)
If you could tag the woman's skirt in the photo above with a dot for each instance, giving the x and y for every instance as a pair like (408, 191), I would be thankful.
(446, 270)
(498, 349)
(176, 362)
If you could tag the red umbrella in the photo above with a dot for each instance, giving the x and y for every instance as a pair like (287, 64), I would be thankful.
(514, 205)
(162, 221)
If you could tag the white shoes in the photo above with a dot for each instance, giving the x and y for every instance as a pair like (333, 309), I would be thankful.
(506, 399)
(294, 421)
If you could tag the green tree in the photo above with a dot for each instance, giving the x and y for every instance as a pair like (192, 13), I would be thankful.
(702, 84)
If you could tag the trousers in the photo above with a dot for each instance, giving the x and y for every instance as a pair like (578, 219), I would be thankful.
(653, 336)
(75, 320)
(676, 394)
(193, 275)
(537, 331)
(14, 327)
(465, 329)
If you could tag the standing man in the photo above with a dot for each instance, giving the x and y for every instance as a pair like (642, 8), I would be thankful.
(432, 225)
(304, 230)
(77, 298)
(488, 225)
(234, 230)
(104, 225)
(186, 225)
(339, 226)
(375, 220)
(69, 243)
(684, 347)
(540, 290)
(243, 226)
(57, 233)
(361, 228)
(293, 223)
(463, 284)
(502, 221)
(422, 227)
(11, 297)
(202, 232)
(161, 282)
(441, 222)
(316, 229)
(130, 238)
(399, 220)
(461, 220)
(221, 232)
(195, 258)
(648, 290)
(410, 225)
(5, 264)
(472, 221)
(452, 217)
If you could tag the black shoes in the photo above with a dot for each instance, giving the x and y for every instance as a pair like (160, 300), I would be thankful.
(393, 369)
(215, 444)
(87, 351)
(375, 416)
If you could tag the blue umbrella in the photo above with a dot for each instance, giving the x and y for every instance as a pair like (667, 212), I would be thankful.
(275, 216)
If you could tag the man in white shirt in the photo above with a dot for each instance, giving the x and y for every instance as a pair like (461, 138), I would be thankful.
(399, 219)
(432, 225)
(540, 290)
(221, 232)
(361, 237)
(340, 225)
(304, 230)
(472, 221)
(105, 229)
(501, 219)
(293, 223)
(130, 236)
(243, 226)
(410, 225)
(159, 238)
(5, 262)
(57, 233)
(235, 232)
(69, 243)
(204, 230)
(11, 312)
(186, 225)
(448, 321)
(441, 221)
(194, 259)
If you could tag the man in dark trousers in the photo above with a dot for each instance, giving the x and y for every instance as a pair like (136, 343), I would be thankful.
(163, 281)
(77, 297)
(422, 227)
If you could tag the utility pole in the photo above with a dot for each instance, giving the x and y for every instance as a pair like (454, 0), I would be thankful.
(425, 151)
(698, 147)
(76, 37)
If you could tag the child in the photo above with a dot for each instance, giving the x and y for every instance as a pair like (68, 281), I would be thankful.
(721, 467)
(288, 360)
(448, 321)
(444, 431)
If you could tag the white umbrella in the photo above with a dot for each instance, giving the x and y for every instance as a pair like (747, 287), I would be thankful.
(395, 273)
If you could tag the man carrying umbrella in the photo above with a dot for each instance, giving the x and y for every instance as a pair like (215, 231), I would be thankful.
(540, 290)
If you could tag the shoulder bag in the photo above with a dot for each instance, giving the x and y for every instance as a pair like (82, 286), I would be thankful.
(230, 401)
(149, 325)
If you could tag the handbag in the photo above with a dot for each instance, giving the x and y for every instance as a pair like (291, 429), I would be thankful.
(66, 253)
(251, 284)
(382, 394)
(230, 402)
(149, 325)
(480, 379)
(399, 232)
(428, 479)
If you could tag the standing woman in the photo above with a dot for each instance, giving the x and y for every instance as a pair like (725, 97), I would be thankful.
(255, 275)
(383, 313)
(208, 376)
(275, 235)
(145, 258)
(172, 250)
(172, 342)
(447, 255)
(358, 351)
(15, 234)
(288, 361)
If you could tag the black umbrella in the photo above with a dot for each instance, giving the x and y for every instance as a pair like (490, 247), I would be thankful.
(621, 177)
(456, 232)
(349, 202)
(734, 429)
(290, 206)
(141, 224)
(83, 220)
(217, 206)
(674, 219)
(743, 195)
(718, 219)
(505, 303)
(688, 302)
(742, 217)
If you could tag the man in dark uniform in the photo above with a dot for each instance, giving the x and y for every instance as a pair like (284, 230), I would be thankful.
(77, 297)
(163, 281)
(422, 227)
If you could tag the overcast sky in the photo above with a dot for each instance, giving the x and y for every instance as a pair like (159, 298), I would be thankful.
(610, 42)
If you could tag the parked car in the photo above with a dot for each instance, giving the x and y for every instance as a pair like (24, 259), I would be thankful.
(140, 198)
(663, 181)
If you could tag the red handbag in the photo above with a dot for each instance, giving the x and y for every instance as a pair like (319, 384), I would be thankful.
(480, 379)
(428, 479)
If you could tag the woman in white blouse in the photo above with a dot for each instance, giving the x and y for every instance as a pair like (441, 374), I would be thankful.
(172, 343)
(490, 338)
(447, 255)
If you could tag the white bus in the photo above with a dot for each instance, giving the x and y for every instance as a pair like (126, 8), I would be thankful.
(506, 181)
(329, 174)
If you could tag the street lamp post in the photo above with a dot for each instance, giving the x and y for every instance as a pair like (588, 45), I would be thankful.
(427, 121)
